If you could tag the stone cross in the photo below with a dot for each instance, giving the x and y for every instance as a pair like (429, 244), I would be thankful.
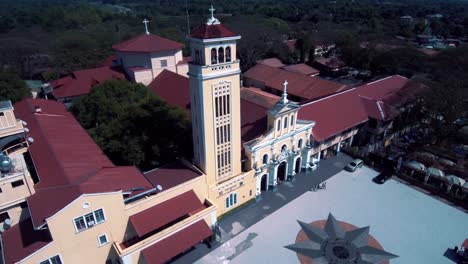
(212, 11)
(284, 97)
(146, 26)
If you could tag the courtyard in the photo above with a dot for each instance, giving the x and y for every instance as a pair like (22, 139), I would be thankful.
(406, 222)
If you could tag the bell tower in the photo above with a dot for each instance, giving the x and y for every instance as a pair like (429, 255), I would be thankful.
(214, 75)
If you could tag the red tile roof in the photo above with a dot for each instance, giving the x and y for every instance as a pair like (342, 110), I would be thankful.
(185, 60)
(300, 85)
(334, 114)
(68, 162)
(173, 174)
(254, 106)
(168, 211)
(212, 31)
(272, 62)
(382, 98)
(22, 240)
(148, 43)
(164, 250)
(81, 82)
(136, 69)
(172, 88)
(302, 68)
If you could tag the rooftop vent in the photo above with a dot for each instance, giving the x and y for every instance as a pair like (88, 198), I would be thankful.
(26, 130)
(30, 140)
(37, 109)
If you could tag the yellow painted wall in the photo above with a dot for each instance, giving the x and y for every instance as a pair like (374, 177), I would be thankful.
(77, 247)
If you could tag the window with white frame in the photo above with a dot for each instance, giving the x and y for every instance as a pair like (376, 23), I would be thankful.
(102, 240)
(231, 200)
(88, 220)
(53, 260)
(163, 63)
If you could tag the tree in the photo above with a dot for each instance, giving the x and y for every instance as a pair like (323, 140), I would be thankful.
(133, 126)
(12, 87)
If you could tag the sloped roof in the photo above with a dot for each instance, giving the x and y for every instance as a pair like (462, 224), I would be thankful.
(148, 43)
(301, 68)
(382, 98)
(168, 211)
(212, 31)
(177, 243)
(21, 240)
(81, 82)
(172, 174)
(332, 63)
(300, 85)
(67, 161)
(255, 104)
(334, 114)
(272, 62)
(172, 88)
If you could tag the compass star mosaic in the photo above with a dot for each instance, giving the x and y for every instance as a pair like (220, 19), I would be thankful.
(339, 243)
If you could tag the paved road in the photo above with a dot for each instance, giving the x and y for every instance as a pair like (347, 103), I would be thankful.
(238, 221)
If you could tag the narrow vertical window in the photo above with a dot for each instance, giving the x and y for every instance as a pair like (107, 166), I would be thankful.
(225, 104)
(219, 160)
(228, 54)
(217, 135)
(225, 133)
(222, 160)
(228, 104)
(292, 120)
(278, 125)
(229, 133)
(214, 58)
(217, 106)
(221, 134)
(285, 123)
(197, 58)
(221, 55)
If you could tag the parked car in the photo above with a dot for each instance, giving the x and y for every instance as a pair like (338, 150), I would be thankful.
(354, 165)
(382, 177)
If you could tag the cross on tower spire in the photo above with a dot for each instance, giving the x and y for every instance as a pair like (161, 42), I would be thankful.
(284, 97)
(146, 26)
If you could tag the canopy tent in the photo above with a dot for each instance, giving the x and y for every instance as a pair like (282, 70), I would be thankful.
(435, 172)
(456, 180)
(416, 165)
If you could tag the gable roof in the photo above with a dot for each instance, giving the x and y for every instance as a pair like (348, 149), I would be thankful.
(173, 174)
(172, 88)
(334, 114)
(301, 68)
(81, 82)
(212, 31)
(300, 85)
(148, 43)
(68, 162)
(21, 240)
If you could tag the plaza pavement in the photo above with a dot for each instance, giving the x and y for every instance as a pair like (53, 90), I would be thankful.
(406, 222)
(239, 220)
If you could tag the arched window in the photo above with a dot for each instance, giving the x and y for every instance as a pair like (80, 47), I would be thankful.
(214, 56)
(228, 54)
(285, 123)
(284, 148)
(221, 55)
(278, 125)
(292, 120)
(299, 144)
(265, 159)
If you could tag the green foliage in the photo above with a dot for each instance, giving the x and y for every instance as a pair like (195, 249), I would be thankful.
(12, 87)
(133, 126)
(76, 51)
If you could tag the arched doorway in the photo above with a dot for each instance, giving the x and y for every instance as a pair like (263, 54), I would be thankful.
(298, 165)
(281, 172)
(264, 183)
